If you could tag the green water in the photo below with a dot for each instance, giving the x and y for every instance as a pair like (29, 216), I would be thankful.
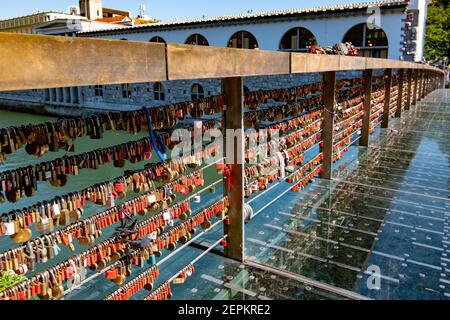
(86, 178)
(387, 206)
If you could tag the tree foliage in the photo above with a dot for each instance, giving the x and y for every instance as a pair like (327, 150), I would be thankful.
(437, 42)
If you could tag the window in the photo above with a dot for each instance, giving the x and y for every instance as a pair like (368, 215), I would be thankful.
(157, 40)
(126, 91)
(98, 91)
(297, 39)
(370, 42)
(197, 39)
(158, 90)
(197, 92)
(243, 40)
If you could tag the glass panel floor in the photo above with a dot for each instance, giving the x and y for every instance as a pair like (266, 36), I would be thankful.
(387, 209)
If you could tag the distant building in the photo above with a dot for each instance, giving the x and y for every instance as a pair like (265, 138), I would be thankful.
(91, 9)
(25, 24)
(392, 29)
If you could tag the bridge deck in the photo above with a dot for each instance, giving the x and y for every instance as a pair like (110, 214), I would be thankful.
(387, 207)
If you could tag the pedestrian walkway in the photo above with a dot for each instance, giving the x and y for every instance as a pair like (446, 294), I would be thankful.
(386, 210)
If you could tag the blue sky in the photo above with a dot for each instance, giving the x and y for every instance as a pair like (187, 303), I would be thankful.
(166, 10)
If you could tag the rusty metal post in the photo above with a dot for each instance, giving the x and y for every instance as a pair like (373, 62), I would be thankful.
(398, 112)
(408, 90)
(233, 91)
(329, 98)
(387, 97)
(365, 132)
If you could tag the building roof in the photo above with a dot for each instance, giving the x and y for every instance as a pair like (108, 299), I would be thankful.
(123, 19)
(267, 14)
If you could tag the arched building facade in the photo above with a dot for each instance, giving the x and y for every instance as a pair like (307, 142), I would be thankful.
(400, 35)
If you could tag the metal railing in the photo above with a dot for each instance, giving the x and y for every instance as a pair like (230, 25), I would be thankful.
(41, 62)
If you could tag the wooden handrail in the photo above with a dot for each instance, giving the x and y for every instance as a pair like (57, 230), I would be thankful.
(40, 62)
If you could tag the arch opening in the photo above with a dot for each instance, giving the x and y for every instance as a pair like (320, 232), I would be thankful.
(197, 92)
(157, 39)
(243, 40)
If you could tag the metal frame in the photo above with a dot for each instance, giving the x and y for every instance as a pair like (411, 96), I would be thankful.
(233, 89)
(365, 132)
(398, 112)
(27, 64)
(409, 90)
(329, 100)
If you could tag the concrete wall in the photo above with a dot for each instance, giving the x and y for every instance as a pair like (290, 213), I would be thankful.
(328, 31)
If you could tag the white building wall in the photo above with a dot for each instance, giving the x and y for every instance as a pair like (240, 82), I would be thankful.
(328, 31)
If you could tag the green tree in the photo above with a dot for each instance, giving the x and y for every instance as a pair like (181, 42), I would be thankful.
(437, 42)
(8, 279)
